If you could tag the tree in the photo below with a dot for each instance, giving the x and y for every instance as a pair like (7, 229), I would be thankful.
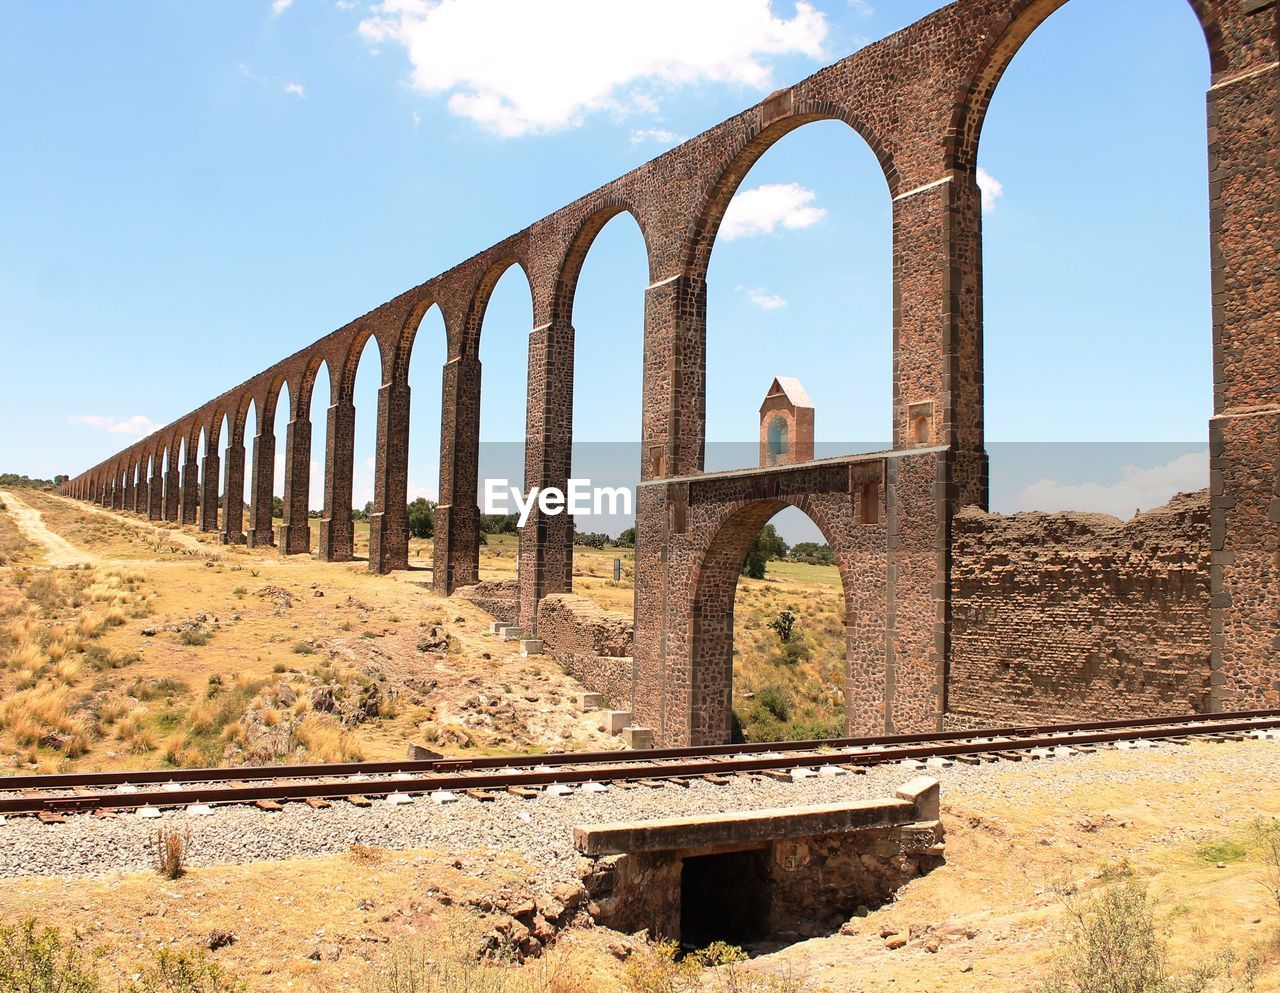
(811, 553)
(422, 518)
(499, 523)
(277, 507)
(768, 545)
(626, 540)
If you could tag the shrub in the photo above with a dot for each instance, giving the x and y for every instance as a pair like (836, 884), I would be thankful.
(784, 624)
(775, 701)
(37, 960)
(184, 972)
(194, 637)
(1111, 944)
(169, 849)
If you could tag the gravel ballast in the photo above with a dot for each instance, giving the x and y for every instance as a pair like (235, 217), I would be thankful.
(540, 829)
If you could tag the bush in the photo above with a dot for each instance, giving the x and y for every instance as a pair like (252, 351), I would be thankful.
(37, 960)
(169, 849)
(184, 972)
(775, 702)
(1111, 944)
(626, 540)
(591, 539)
(194, 637)
(784, 624)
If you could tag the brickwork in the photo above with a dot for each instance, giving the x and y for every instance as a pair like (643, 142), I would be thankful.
(593, 645)
(1062, 617)
(919, 99)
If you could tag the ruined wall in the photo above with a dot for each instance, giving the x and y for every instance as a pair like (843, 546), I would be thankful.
(592, 644)
(1061, 617)
(496, 596)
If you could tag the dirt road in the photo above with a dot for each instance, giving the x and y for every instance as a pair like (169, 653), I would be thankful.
(58, 551)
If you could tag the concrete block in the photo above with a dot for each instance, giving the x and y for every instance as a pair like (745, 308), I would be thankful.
(587, 702)
(925, 795)
(616, 720)
(637, 738)
(495, 627)
(530, 646)
(420, 752)
(510, 633)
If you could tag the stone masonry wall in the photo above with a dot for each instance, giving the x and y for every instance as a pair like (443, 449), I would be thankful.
(1061, 617)
(592, 644)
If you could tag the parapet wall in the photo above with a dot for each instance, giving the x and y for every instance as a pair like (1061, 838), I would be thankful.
(1074, 616)
(592, 644)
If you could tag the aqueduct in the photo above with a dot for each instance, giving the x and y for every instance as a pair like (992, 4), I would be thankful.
(918, 98)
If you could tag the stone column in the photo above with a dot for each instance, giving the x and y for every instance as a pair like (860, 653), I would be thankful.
(937, 379)
(155, 491)
(457, 538)
(1244, 434)
(296, 532)
(138, 480)
(190, 488)
(233, 512)
(210, 482)
(389, 522)
(937, 325)
(675, 377)
(261, 529)
(171, 486)
(129, 495)
(336, 528)
(546, 541)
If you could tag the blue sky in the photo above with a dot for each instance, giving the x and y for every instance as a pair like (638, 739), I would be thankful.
(194, 190)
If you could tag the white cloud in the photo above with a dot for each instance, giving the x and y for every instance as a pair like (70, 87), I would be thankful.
(1139, 489)
(992, 189)
(520, 67)
(763, 299)
(278, 7)
(862, 8)
(135, 425)
(346, 5)
(762, 209)
(659, 136)
(294, 89)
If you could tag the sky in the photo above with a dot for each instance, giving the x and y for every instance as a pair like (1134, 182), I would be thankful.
(195, 190)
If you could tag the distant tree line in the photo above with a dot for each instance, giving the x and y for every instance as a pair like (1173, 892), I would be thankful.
(26, 482)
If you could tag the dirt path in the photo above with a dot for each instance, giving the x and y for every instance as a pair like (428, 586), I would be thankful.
(58, 551)
(172, 534)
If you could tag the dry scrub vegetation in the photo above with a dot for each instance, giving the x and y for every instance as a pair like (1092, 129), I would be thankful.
(173, 650)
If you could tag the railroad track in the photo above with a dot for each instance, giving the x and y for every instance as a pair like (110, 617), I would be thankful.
(52, 797)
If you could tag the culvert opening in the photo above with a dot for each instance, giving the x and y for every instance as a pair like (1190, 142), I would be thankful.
(724, 897)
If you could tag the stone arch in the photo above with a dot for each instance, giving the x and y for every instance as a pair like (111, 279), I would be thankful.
(301, 400)
(570, 267)
(403, 357)
(351, 362)
(271, 397)
(480, 301)
(1024, 17)
(717, 571)
(748, 151)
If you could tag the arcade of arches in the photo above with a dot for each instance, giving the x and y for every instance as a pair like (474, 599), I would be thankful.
(935, 589)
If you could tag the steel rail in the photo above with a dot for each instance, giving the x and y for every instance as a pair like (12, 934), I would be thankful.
(84, 780)
(626, 767)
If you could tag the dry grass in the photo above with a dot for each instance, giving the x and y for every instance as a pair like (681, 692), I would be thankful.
(169, 849)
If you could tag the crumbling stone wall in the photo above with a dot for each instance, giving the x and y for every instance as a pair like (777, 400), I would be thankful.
(496, 596)
(592, 644)
(1060, 617)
